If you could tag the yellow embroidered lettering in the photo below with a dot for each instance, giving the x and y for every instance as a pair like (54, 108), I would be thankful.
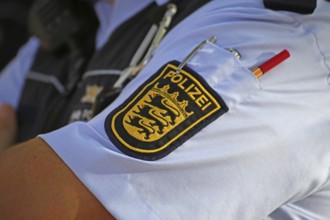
(201, 101)
(169, 74)
(181, 84)
(195, 93)
(176, 78)
(207, 105)
(189, 87)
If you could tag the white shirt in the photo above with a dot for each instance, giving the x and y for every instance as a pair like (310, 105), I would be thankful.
(268, 157)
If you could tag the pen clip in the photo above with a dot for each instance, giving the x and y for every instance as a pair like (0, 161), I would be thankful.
(198, 48)
(194, 52)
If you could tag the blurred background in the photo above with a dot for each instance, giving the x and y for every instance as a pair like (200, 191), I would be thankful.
(13, 28)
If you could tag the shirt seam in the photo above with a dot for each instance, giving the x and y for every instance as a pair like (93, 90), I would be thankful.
(140, 199)
(124, 179)
(316, 41)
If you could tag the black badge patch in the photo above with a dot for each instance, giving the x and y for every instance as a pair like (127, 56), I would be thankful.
(163, 113)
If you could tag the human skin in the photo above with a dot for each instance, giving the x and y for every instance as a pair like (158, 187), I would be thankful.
(36, 184)
(8, 126)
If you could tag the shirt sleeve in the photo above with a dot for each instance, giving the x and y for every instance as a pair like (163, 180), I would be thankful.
(13, 75)
(269, 151)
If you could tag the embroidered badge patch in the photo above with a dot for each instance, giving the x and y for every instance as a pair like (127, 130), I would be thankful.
(163, 113)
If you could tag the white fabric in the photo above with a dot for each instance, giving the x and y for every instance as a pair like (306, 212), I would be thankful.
(267, 158)
(13, 76)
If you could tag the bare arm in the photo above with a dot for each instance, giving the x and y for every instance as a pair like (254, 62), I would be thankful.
(8, 126)
(36, 184)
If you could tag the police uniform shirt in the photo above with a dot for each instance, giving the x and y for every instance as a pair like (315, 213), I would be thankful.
(267, 157)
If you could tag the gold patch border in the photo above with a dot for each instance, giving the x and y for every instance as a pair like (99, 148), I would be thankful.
(171, 66)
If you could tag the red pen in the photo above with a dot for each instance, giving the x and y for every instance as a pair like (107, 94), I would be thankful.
(271, 63)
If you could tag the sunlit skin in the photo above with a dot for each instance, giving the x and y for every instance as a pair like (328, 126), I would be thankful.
(36, 184)
(8, 126)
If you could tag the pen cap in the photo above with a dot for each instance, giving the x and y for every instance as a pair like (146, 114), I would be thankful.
(299, 6)
(274, 61)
